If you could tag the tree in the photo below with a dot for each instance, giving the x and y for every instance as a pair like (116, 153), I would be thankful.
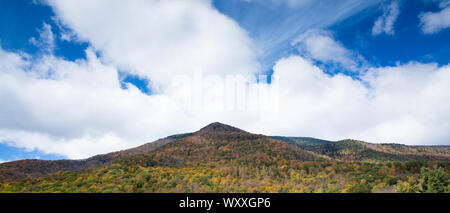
(434, 180)
(408, 186)
(360, 188)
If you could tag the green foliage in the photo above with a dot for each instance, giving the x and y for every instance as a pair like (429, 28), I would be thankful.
(301, 141)
(434, 180)
(393, 180)
(409, 186)
(360, 188)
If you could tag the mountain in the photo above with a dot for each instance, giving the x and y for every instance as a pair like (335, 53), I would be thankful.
(222, 158)
(217, 128)
(354, 150)
(222, 143)
(32, 168)
(213, 142)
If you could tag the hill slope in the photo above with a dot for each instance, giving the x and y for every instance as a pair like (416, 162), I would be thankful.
(214, 142)
(17, 170)
(222, 158)
(301, 141)
(353, 150)
(220, 143)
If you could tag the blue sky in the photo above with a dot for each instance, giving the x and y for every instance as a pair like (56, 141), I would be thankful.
(408, 43)
(21, 20)
(276, 29)
(10, 153)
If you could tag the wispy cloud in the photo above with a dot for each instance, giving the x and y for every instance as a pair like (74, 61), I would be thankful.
(273, 27)
(385, 23)
(46, 40)
(289, 3)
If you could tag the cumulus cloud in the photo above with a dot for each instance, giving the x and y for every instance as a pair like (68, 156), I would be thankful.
(402, 104)
(57, 106)
(320, 45)
(433, 22)
(79, 108)
(385, 23)
(160, 39)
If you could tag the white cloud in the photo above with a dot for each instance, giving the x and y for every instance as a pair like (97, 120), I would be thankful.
(46, 40)
(76, 108)
(79, 109)
(385, 23)
(65, 34)
(433, 22)
(404, 104)
(320, 45)
(274, 24)
(160, 39)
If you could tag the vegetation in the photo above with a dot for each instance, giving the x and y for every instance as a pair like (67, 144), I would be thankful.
(302, 141)
(409, 186)
(220, 158)
(435, 181)
(131, 176)
(353, 150)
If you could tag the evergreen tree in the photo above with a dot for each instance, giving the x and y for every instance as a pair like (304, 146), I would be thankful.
(434, 180)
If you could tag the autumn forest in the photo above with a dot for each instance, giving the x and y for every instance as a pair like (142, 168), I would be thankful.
(221, 158)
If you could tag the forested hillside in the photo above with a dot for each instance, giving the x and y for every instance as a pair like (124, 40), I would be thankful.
(221, 158)
(353, 150)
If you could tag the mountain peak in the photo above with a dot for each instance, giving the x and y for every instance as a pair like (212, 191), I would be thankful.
(217, 127)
